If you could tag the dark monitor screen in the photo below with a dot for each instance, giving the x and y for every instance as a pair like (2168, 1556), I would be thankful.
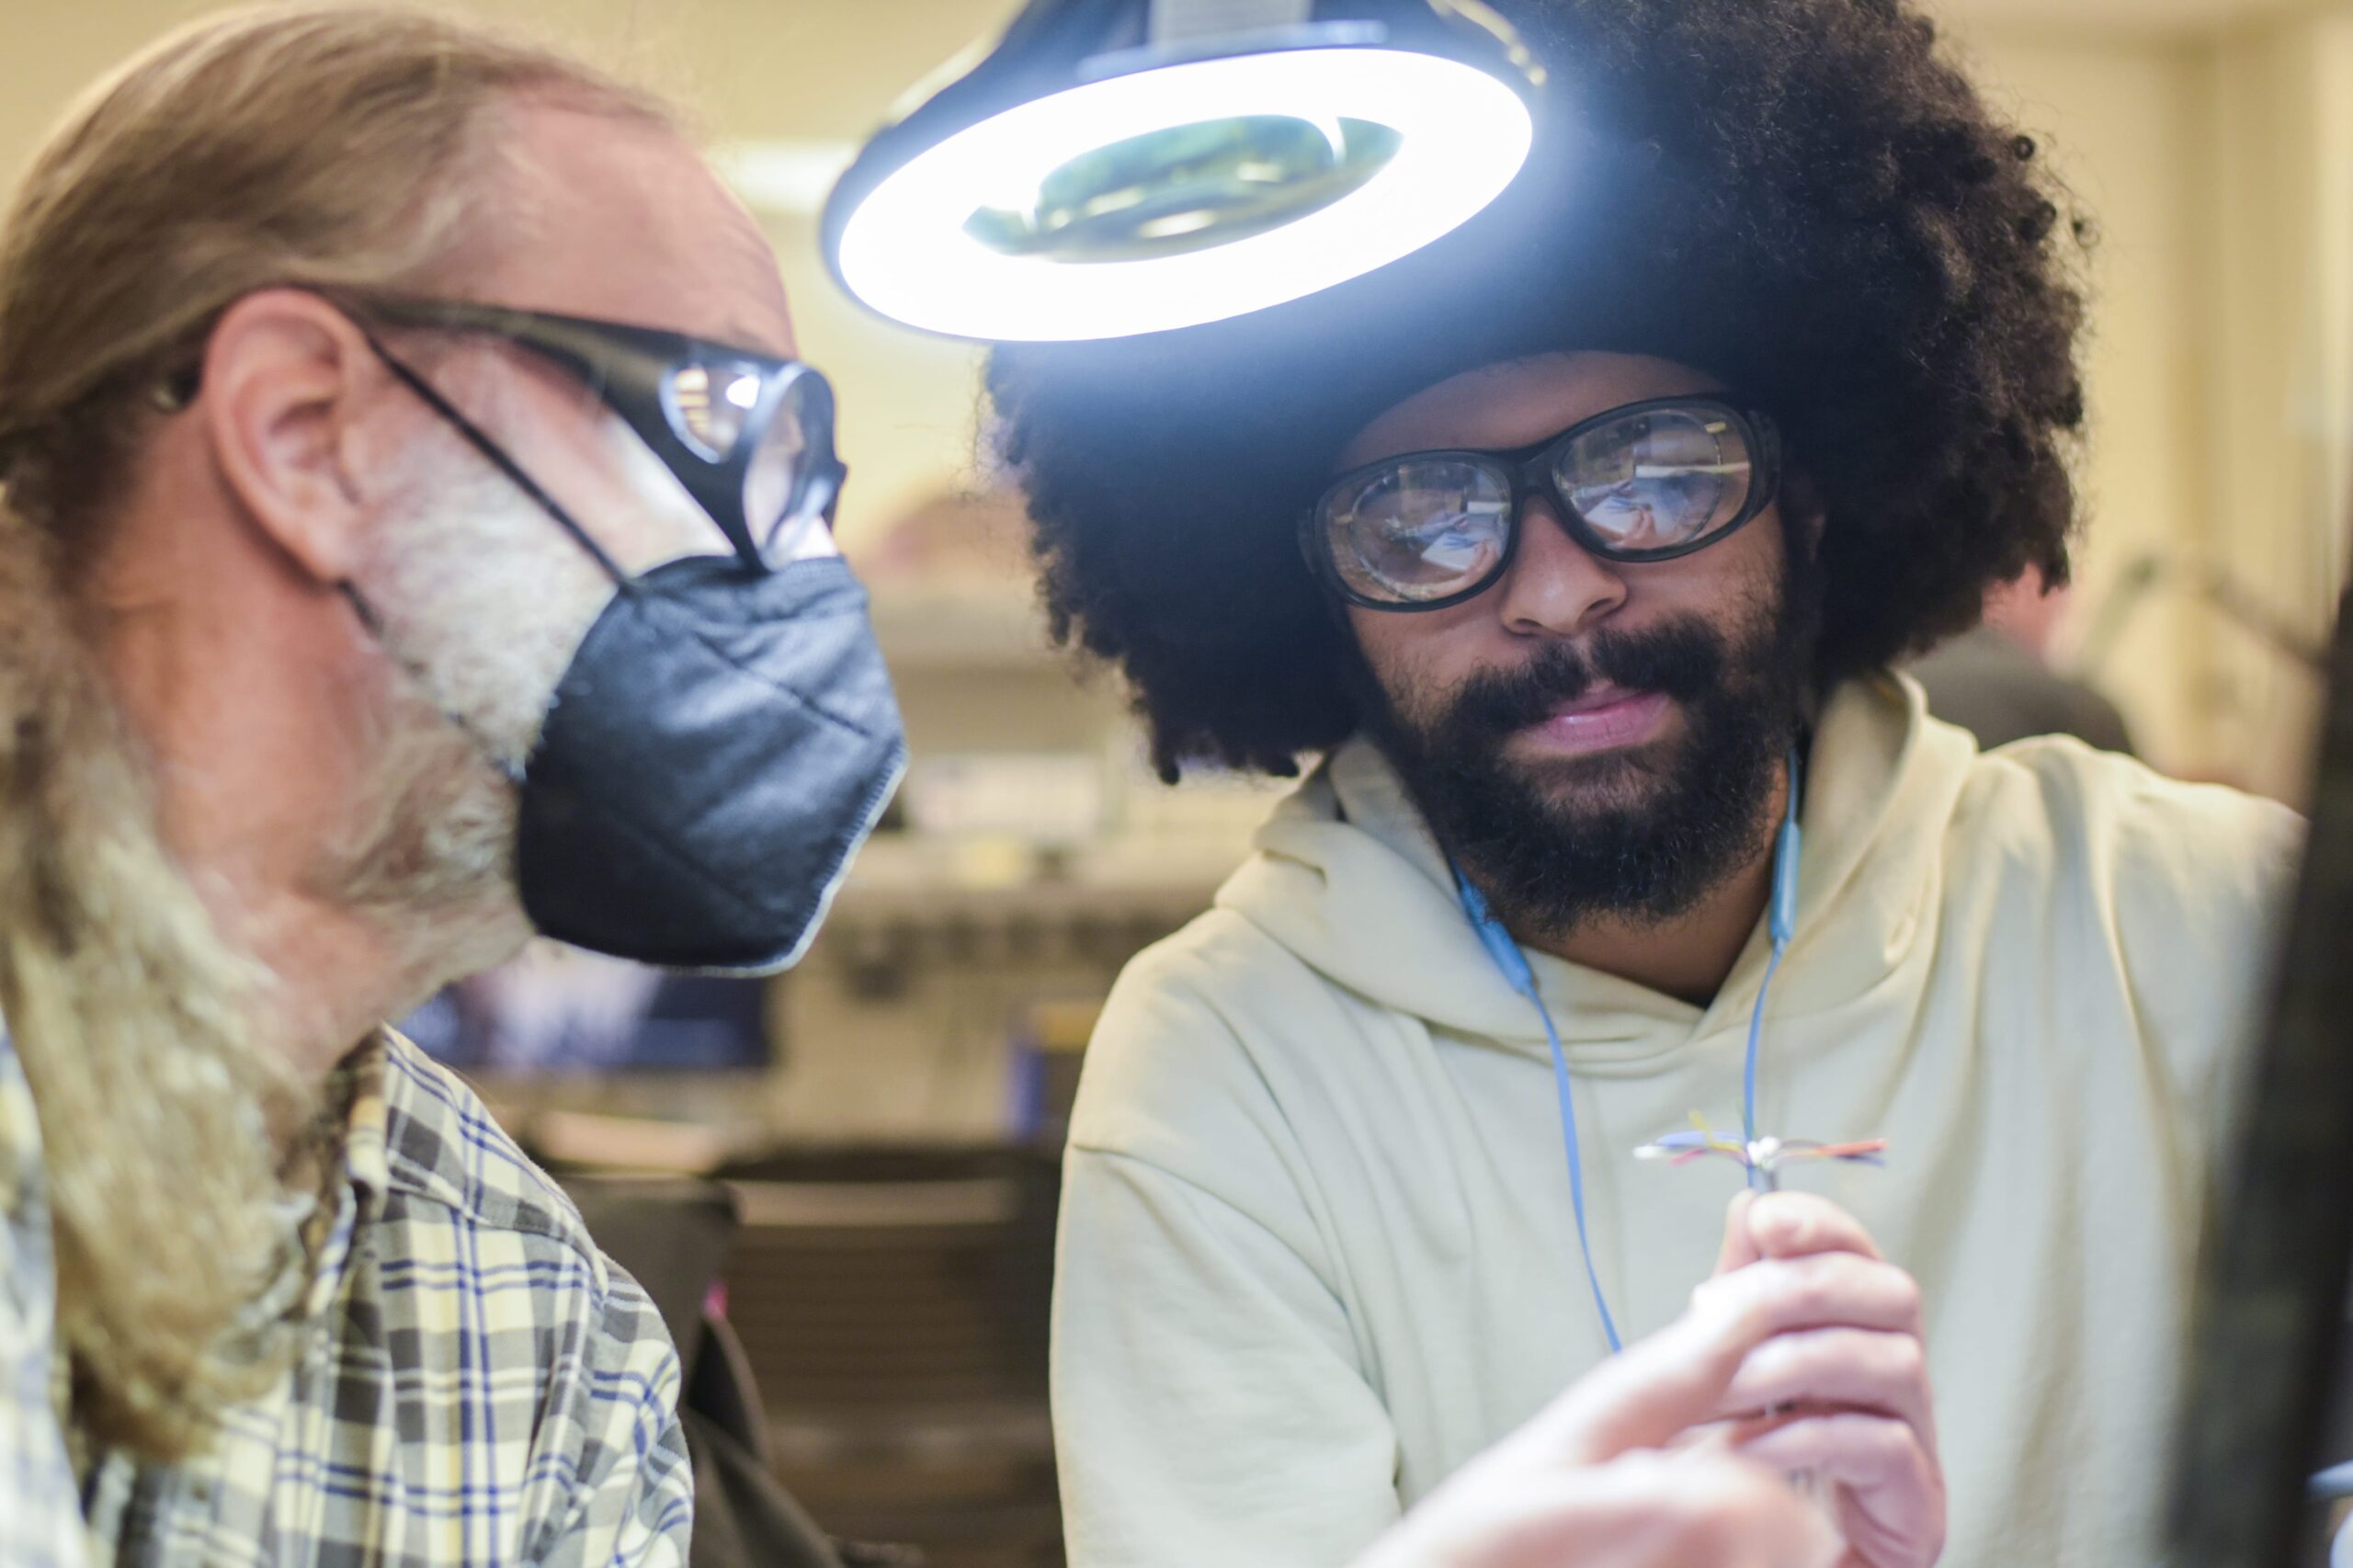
(557, 1010)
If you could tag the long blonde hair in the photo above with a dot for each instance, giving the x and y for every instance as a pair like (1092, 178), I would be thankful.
(328, 145)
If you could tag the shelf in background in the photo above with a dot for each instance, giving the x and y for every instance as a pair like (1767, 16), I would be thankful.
(918, 881)
(924, 626)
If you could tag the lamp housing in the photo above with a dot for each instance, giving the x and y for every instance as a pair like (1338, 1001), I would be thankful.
(1122, 166)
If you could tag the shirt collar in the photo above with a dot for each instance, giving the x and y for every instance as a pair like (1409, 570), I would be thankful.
(356, 1115)
(365, 1163)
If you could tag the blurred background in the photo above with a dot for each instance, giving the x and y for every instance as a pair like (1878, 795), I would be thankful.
(885, 1118)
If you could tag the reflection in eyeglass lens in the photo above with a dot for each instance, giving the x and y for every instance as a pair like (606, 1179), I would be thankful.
(1656, 480)
(1423, 530)
(709, 406)
(781, 518)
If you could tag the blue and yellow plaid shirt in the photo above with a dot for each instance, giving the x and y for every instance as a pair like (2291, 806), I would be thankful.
(476, 1385)
(40, 1516)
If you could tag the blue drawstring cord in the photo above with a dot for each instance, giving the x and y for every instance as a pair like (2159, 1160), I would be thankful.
(1748, 1069)
(1781, 921)
(1522, 979)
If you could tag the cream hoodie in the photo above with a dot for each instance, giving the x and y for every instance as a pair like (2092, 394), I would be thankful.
(1316, 1246)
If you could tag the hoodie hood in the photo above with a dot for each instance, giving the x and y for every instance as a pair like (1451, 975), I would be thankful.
(1347, 876)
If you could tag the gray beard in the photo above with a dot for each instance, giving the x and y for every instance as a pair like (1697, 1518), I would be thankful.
(480, 602)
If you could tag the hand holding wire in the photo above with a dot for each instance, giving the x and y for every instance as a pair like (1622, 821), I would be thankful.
(1846, 1396)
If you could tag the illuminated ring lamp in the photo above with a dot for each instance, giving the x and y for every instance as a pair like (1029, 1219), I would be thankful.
(1123, 167)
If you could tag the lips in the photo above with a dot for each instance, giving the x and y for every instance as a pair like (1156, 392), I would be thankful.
(1602, 720)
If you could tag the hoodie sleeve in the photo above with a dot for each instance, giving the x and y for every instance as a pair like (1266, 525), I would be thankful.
(1210, 1403)
(2205, 879)
(2192, 884)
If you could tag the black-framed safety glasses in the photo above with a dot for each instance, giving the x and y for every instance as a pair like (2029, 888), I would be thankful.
(1649, 480)
(750, 436)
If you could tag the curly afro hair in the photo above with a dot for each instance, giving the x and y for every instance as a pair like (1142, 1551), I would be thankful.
(1802, 197)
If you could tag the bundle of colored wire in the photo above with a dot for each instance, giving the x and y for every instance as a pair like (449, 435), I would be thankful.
(1762, 1156)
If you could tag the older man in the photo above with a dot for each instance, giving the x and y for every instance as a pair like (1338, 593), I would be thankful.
(369, 597)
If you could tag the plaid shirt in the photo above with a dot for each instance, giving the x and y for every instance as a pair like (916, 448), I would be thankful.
(477, 1385)
(41, 1513)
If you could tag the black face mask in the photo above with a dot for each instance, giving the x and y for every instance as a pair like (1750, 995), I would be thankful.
(725, 737)
(719, 747)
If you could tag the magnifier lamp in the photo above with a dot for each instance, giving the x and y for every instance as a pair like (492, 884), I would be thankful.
(1122, 167)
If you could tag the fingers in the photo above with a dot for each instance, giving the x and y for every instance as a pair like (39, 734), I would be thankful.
(1651, 1510)
(1881, 1373)
(1854, 1449)
(1739, 1249)
(1677, 1377)
(1891, 1499)
(1831, 1289)
(1643, 1397)
(1798, 1224)
(1513, 1507)
(1788, 1225)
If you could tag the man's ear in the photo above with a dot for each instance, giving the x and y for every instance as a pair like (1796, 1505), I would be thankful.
(286, 376)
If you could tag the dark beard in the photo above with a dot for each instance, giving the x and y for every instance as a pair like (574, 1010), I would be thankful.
(1638, 834)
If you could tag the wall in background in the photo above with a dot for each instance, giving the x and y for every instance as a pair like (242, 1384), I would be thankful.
(2274, 225)
(2116, 117)
(2216, 163)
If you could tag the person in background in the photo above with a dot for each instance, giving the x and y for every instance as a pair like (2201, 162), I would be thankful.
(415, 534)
(405, 456)
(1574, 555)
(1996, 680)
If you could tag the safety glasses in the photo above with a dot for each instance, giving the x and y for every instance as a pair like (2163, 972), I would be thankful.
(751, 437)
(1646, 481)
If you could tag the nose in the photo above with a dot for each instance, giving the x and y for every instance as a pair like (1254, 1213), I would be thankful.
(1555, 587)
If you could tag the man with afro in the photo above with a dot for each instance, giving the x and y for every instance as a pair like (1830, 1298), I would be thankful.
(1570, 558)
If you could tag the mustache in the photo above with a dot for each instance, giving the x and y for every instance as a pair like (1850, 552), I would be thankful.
(1683, 660)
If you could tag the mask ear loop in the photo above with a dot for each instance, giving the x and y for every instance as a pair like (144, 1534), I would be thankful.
(1781, 923)
(496, 457)
(373, 625)
(491, 454)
